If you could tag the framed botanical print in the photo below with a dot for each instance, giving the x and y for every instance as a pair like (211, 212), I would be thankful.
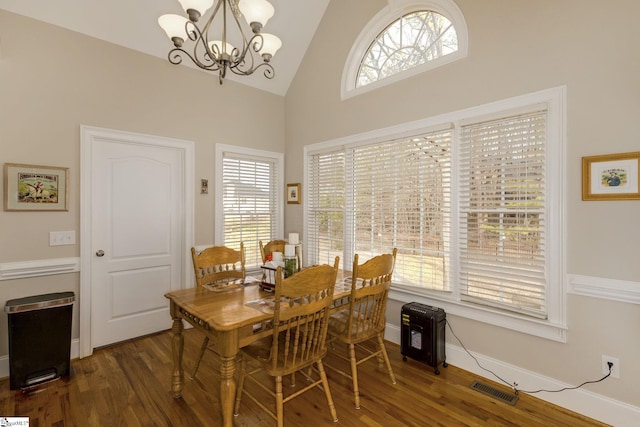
(293, 193)
(611, 177)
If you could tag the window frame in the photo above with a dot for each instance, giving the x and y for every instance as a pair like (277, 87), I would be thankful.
(394, 11)
(277, 158)
(554, 327)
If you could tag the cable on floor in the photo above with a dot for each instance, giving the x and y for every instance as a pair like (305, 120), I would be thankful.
(514, 385)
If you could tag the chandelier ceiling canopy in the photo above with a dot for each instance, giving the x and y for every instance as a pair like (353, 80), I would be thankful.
(211, 45)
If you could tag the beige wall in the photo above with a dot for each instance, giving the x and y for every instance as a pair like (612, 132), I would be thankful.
(515, 47)
(53, 80)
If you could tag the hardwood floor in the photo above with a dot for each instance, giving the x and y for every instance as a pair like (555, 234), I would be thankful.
(128, 385)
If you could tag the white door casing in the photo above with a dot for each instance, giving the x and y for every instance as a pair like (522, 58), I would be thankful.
(137, 208)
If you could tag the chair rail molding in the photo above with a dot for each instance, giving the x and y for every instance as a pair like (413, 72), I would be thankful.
(41, 267)
(610, 289)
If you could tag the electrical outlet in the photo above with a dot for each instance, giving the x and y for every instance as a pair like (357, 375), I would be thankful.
(615, 370)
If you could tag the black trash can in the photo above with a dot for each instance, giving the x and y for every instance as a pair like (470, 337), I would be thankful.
(39, 338)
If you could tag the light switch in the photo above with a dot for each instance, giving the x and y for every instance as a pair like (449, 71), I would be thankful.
(59, 238)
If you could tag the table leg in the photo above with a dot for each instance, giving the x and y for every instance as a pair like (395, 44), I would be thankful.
(177, 347)
(228, 346)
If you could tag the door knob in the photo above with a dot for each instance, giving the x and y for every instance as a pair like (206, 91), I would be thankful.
(100, 253)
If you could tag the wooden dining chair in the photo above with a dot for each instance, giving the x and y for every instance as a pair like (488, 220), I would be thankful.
(365, 318)
(217, 266)
(270, 247)
(298, 342)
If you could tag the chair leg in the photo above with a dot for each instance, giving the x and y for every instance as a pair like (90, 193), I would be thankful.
(203, 348)
(383, 350)
(354, 374)
(327, 391)
(279, 402)
(240, 386)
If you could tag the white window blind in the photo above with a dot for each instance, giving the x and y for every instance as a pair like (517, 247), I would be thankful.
(400, 192)
(473, 200)
(503, 216)
(326, 207)
(249, 203)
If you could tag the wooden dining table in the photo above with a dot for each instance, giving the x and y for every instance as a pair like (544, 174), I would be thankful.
(231, 318)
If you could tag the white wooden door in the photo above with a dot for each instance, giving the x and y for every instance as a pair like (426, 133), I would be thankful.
(137, 236)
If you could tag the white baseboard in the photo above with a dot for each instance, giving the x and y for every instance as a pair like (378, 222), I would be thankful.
(582, 401)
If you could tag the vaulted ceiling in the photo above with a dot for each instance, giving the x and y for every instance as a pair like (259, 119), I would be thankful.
(134, 24)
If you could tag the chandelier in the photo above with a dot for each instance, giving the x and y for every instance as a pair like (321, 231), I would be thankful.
(217, 54)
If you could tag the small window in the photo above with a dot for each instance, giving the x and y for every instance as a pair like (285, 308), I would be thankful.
(248, 199)
(404, 39)
(410, 41)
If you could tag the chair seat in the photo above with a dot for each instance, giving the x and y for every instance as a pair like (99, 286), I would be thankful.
(261, 350)
(338, 328)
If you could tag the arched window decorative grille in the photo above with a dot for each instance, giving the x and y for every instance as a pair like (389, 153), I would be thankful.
(404, 39)
(412, 40)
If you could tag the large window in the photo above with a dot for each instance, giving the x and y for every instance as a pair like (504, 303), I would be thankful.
(326, 201)
(401, 197)
(502, 212)
(371, 198)
(472, 203)
(249, 199)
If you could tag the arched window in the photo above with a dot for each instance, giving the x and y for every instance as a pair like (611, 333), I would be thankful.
(412, 40)
(403, 41)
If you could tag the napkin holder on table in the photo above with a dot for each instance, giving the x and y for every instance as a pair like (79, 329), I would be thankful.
(269, 270)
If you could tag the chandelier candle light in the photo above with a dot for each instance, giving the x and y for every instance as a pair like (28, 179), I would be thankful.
(217, 54)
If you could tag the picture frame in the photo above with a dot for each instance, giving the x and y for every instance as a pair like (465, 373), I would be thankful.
(35, 188)
(611, 177)
(293, 194)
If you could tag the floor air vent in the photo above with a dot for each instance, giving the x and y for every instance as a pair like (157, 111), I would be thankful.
(509, 398)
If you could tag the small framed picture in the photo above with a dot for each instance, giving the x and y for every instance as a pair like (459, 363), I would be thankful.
(293, 193)
(611, 177)
(35, 188)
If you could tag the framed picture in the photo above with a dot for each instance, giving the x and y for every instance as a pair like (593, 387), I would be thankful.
(35, 188)
(611, 177)
(293, 193)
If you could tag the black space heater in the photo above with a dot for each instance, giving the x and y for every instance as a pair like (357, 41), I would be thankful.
(422, 334)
